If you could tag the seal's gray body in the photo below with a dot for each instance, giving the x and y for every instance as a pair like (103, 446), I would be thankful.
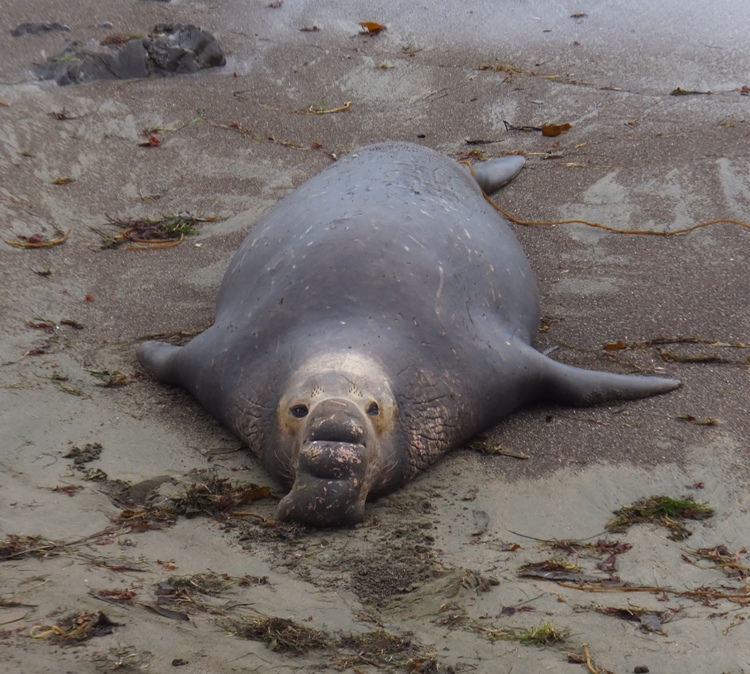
(392, 261)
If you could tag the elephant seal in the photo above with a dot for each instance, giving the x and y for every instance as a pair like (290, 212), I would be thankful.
(379, 316)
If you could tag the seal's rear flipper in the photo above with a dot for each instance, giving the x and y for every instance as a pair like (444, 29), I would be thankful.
(161, 359)
(570, 385)
(492, 175)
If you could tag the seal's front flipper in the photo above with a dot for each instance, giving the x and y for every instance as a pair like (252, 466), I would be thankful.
(492, 175)
(573, 386)
(162, 360)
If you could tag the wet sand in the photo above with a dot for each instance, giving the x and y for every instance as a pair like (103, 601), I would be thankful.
(234, 140)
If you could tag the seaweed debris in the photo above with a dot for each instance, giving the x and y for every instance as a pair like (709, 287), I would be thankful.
(75, 628)
(18, 547)
(282, 635)
(160, 232)
(148, 518)
(723, 558)
(542, 635)
(601, 547)
(663, 510)
(80, 455)
(649, 620)
(208, 583)
(179, 592)
(384, 648)
(112, 378)
(558, 571)
(217, 497)
(378, 648)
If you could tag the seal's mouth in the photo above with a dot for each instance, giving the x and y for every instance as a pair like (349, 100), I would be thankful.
(328, 490)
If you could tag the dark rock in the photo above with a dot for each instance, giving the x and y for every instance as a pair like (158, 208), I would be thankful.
(36, 27)
(75, 64)
(169, 49)
(183, 49)
(129, 62)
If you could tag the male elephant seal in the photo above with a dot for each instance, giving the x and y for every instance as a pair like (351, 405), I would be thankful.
(379, 316)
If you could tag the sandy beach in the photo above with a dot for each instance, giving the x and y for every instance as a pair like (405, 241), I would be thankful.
(130, 516)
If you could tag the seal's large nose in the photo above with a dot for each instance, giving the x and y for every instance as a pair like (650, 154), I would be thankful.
(330, 487)
(336, 420)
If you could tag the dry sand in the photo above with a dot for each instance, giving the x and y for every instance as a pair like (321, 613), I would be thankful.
(441, 593)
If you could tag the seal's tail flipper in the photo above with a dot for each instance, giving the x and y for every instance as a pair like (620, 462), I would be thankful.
(492, 175)
(570, 385)
(161, 360)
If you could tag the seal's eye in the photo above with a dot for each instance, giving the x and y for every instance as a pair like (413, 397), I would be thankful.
(373, 410)
(299, 411)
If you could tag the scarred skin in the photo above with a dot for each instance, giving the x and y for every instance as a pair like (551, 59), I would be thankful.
(379, 316)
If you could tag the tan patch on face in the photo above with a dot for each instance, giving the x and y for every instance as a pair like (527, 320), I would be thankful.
(349, 377)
